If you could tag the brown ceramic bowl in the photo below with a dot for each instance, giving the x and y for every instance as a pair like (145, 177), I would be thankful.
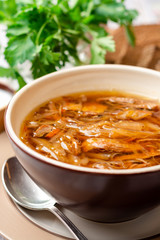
(99, 195)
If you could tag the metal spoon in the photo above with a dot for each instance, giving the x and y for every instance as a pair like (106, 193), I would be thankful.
(24, 191)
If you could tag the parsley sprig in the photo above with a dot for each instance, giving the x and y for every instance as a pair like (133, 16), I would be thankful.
(47, 33)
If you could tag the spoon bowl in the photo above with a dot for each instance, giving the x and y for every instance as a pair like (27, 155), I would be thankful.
(22, 189)
(25, 192)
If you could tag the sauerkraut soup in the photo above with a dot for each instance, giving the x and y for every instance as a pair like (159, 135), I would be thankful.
(102, 130)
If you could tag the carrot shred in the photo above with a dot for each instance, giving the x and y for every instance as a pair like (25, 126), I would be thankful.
(52, 133)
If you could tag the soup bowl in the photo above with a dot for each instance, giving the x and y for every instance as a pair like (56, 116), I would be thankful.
(99, 195)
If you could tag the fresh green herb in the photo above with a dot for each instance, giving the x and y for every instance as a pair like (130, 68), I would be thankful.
(48, 33)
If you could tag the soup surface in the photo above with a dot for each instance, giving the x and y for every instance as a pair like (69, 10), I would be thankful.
(103, 130)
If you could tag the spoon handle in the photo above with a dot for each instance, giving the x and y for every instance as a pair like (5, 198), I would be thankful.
(64, 219)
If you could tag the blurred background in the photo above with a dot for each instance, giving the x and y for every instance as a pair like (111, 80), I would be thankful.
(149, 11)
(146, 52)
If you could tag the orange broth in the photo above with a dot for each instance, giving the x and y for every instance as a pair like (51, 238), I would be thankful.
(102, 130)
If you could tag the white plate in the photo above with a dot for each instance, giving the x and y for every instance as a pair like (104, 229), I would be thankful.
(145, 226)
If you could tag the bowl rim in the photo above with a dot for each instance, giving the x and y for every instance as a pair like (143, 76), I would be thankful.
(16, 140)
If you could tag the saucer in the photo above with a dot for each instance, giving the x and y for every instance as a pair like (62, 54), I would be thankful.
(142, 227)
